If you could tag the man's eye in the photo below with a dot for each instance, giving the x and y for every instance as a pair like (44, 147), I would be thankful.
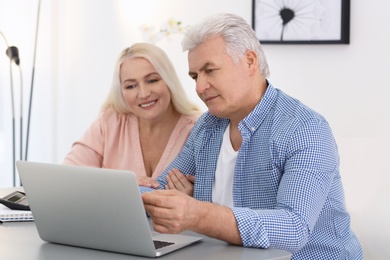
(208, 71)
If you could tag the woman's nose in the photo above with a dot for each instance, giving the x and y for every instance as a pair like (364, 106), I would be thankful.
(143, 91)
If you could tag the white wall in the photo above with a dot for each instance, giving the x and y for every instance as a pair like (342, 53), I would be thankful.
(79, 41)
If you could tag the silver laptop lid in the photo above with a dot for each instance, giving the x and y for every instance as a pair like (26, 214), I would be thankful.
(88, 207)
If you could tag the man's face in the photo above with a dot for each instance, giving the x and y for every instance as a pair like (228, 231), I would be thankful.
(220, 83)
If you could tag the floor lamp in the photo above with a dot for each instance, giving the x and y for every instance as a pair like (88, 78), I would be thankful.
(32, 82)
(13, 53)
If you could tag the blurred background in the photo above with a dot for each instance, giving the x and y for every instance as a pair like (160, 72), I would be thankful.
(79, 41)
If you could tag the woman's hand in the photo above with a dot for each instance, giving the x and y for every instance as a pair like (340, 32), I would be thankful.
(147, 181)
(184, 183)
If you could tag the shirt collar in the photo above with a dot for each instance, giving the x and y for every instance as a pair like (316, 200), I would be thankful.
(254, 119)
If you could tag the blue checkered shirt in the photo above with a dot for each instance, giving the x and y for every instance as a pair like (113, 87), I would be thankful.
(287, 190)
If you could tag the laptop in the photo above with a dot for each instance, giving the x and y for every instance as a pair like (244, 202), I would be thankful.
(93, 208)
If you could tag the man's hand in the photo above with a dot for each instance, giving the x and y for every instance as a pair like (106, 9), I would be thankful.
(171, 210)
(147, 182)
(176, 180)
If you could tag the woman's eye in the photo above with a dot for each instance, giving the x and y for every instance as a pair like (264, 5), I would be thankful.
(131, 86)
(153, 80)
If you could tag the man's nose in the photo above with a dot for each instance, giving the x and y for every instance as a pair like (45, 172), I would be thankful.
(201, 85)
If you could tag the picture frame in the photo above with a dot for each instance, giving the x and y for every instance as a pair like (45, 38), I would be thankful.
(301, 21)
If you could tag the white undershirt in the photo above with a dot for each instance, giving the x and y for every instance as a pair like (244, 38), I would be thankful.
(222, 193)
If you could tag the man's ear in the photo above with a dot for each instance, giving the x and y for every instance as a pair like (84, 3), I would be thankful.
(251, 60)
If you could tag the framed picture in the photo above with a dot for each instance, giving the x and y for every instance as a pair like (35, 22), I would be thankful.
(301, 21)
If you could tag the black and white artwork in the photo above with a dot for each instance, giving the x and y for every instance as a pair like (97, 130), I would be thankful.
(301, 21)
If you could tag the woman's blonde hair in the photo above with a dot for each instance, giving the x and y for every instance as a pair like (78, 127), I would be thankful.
(164, 67)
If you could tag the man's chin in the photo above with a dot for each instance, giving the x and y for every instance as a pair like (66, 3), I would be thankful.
(217, 113)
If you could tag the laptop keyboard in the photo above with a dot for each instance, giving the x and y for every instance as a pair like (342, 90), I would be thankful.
(159, 244)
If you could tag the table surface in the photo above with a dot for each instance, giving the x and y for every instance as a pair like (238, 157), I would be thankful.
(20, 241)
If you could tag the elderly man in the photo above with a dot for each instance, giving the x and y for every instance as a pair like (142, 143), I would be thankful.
(266, 167)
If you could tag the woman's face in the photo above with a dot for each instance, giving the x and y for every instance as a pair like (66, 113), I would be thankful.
(146, 94)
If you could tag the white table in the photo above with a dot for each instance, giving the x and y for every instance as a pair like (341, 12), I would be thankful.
(20, 241)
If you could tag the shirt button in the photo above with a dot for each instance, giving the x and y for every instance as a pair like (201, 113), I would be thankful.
(253, 129)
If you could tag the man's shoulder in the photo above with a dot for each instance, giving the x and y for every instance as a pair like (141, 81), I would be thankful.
(293, 108)
(208, 122)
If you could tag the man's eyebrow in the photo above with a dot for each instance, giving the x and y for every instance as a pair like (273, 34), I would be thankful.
(204, 67)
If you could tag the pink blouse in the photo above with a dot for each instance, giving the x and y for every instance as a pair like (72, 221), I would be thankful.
(112, 141)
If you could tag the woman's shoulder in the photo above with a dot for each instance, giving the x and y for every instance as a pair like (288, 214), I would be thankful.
(191, 119)
(111, 116)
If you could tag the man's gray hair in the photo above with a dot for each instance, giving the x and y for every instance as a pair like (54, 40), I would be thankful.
(238, 34)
